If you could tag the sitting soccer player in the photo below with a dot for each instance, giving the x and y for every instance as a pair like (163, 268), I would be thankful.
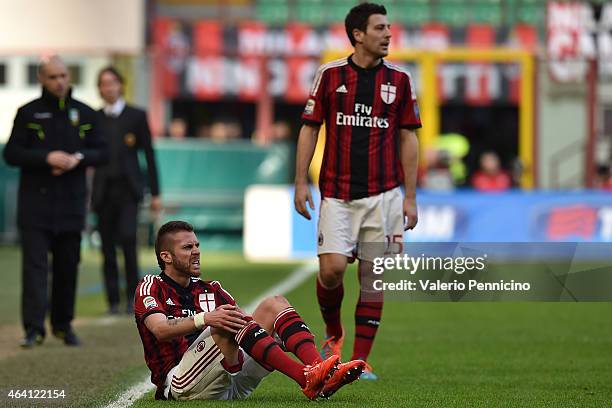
(195, 336)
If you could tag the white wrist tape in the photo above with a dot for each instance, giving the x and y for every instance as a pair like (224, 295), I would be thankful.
(198, 319)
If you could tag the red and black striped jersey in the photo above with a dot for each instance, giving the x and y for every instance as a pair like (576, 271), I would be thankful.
(363, 110)
(160, 294)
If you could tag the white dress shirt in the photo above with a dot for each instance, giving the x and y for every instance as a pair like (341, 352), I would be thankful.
(115, 109)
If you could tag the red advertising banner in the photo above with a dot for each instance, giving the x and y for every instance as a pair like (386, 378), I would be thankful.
(206, 61)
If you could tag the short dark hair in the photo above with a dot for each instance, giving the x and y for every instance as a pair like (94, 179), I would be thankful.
(161, 241)
(110, 70)
(358, 17)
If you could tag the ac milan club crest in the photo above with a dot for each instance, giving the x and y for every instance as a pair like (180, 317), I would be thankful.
(387, 93)
(207, 302)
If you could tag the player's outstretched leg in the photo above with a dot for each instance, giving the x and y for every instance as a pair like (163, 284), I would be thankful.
(330, 293)
(367, 319)
(254, 338)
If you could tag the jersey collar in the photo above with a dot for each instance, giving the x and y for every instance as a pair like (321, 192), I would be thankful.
(175, 285)
(365, 70)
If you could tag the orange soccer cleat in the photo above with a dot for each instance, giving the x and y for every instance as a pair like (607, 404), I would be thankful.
(317, 374)
(344, 374)
(332, 346)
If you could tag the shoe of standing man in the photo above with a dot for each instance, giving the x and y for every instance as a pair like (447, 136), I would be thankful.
(68, 336)
(32, 338)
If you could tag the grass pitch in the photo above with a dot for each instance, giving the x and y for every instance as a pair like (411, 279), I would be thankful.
(427, 354)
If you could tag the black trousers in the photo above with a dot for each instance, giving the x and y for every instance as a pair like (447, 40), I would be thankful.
(117, 222)
(65, 248)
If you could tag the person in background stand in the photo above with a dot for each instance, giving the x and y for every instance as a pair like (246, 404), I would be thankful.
(54, 139)
(118, 187)
(491, 177)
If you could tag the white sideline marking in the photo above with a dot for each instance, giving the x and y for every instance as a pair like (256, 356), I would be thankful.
(131, 395)
(295, 279)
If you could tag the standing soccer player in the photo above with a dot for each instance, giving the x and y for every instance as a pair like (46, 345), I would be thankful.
(370, 111)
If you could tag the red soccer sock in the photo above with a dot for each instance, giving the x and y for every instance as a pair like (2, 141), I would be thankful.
(296, 336)
(367, 320)
(330, 301)
(257, 343)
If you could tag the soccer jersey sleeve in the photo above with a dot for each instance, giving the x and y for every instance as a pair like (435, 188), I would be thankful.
(148, 298)
(313, 111)
(410, 117)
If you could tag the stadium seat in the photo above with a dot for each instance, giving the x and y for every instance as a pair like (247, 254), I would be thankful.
(510, 11)
(311, 12)
(336, 10)
(274, 12)
(410, 12)
(452, 12)
(531, 12)
(486, 11)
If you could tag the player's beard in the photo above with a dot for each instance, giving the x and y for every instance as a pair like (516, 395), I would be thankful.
(185, 268)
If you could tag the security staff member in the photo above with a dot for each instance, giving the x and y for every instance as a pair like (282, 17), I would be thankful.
(54, 139)
(118, 187)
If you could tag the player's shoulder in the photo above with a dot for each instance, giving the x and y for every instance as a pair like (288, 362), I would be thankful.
(221, 292)
(394, 67)
(215, 285)
(324, 70)
(333, 65)
(148, 284)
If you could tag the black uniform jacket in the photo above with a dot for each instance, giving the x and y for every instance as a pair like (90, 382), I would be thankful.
(56, 203)
(131, 133)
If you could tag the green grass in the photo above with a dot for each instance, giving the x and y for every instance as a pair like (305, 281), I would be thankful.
(111, 359)
(427, 354)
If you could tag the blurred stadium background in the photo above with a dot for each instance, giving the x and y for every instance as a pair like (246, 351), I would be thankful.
(225, 83)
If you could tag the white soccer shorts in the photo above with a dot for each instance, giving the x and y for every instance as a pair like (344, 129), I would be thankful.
(377, 221)
(201, 376)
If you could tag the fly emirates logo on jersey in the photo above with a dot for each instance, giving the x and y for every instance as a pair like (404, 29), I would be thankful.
(361, 118)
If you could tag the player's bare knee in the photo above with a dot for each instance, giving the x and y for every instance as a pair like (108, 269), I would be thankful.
(331, 270)
(331, 278)
(226, 342)
(221, 336)
(273, 305)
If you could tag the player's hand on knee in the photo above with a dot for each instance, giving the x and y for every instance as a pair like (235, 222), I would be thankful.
(226, 317)
(301, 197)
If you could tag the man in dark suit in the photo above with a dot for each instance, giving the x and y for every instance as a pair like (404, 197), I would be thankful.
(54, 139)
(119, 186)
